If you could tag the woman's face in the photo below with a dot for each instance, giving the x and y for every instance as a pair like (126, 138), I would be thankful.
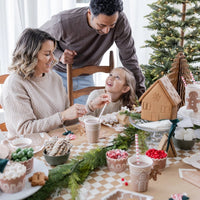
(116, 82)
(45, 58)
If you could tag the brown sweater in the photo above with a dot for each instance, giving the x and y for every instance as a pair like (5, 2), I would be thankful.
(71, 30)
(33, 106)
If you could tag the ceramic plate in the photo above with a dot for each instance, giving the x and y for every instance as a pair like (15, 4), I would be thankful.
(193, 160)
(28, 190)
(155, 126)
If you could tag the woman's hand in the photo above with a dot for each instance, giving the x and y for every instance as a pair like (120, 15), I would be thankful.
(73, 112)
(99, 101)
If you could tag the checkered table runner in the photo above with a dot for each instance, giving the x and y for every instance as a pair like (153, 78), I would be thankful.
(102, 181)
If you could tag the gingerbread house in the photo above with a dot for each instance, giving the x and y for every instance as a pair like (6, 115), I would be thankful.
(160, 101)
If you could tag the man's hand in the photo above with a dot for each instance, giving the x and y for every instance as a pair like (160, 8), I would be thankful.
(68, 56)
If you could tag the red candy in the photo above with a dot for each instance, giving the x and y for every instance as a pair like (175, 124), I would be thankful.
(126, 183)
(122, 179)
(156, 154)
(117, 154)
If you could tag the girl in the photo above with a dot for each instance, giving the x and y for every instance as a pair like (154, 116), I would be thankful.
(119, 91)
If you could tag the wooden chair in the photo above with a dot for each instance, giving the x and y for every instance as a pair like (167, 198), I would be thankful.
(85, 70)
(2, 80)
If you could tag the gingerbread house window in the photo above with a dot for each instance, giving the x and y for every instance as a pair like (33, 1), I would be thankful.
(165, 109)
(146, 106)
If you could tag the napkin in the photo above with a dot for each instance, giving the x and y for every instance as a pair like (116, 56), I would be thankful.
(3, 163)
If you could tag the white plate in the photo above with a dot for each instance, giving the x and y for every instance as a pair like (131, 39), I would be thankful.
(28, 190)
(193, 160)
(154, 126)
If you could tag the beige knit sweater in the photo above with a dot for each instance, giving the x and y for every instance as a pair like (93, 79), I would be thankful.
(33, 106)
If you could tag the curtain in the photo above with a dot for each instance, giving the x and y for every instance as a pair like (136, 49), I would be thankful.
(16, 15)
(135, 11)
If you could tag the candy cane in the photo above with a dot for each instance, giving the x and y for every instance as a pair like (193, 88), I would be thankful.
(193, 80)
(184, 81)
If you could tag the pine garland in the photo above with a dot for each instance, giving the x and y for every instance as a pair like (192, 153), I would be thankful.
(74, 173)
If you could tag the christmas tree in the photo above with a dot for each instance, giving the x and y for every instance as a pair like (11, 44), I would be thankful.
(176, 26)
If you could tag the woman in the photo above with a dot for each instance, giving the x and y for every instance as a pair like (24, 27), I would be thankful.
(119, 91)
(33, 97)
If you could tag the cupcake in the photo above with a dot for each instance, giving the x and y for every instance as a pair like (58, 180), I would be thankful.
(25, 157)
(116, 160)
(12, 180)
(159, 157)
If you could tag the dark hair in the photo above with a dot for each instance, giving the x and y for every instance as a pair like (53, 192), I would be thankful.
(25, 54)
(106, 7)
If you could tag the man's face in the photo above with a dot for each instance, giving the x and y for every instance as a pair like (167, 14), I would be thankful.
(102, 23)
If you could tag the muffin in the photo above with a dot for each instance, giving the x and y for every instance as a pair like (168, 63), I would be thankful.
(12, 180)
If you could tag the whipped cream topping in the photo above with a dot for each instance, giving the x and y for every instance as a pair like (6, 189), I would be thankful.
(12, 171)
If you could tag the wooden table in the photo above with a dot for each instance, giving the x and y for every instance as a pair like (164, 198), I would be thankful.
(102, 181)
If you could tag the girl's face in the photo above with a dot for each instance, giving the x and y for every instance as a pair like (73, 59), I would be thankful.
(116, 82)
(45, 58)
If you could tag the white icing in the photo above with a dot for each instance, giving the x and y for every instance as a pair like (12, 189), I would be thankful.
(12, 171)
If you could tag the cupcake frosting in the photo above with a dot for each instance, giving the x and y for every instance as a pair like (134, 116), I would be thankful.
(12, 171)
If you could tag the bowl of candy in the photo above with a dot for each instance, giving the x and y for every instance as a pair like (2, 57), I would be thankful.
(25, 157)
(21, 142)
(183, 138)
(159, 157)
(116, 160)
(57, 151)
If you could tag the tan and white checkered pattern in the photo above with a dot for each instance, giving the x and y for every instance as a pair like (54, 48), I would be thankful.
(102, 181)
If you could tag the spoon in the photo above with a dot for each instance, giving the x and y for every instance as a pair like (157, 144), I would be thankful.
(102, 111)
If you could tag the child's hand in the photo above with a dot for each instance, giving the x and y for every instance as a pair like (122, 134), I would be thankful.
(99, 101)
(73, 112)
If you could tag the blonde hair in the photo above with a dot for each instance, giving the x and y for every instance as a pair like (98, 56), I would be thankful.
(129, 98)
(24, 58)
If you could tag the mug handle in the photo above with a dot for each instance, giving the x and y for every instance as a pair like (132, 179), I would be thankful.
(154, 172)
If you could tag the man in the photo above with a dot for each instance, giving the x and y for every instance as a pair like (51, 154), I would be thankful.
(83, 36)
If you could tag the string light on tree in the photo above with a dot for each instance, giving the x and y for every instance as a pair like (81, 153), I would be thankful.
(171, 27)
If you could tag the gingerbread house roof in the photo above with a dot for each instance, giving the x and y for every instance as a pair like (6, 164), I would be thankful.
(168, 89)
